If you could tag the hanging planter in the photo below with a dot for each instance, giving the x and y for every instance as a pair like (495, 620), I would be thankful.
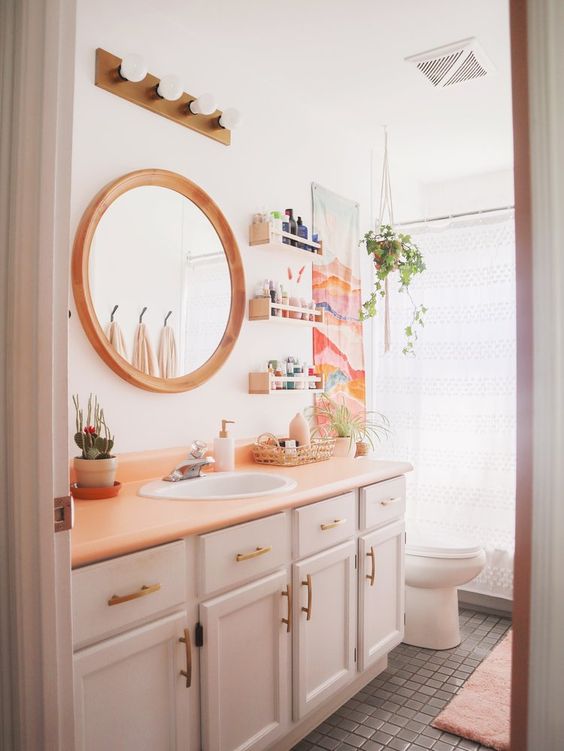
(393, 252)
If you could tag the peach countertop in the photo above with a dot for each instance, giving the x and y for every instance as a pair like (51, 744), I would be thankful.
(108, 528)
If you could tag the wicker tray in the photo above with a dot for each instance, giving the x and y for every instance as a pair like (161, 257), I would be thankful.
(267, 450)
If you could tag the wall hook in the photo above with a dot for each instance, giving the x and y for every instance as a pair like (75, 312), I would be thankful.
(113, 313)
(142, 314)
(167, 316)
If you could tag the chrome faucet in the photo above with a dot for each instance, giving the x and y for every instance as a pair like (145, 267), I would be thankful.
(193, 465)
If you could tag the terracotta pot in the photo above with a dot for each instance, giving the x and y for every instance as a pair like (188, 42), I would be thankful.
(95, 473)
(344, 447)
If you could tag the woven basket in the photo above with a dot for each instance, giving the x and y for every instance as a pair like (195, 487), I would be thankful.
(267, 450)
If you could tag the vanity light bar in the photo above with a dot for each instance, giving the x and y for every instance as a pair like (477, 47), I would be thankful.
(144, 93)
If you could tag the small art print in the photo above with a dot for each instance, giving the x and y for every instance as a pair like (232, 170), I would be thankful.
(337, 343)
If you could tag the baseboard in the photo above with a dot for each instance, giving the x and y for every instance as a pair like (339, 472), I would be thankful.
(485, 603)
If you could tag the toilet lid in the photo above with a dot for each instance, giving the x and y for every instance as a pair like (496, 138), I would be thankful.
(435, 545)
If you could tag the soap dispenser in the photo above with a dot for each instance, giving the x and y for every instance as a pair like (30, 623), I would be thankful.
(224, 449)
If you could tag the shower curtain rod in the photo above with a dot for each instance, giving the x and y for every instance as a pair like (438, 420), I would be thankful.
(455, 216)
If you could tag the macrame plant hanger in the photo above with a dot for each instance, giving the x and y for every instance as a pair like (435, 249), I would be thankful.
(386, 207)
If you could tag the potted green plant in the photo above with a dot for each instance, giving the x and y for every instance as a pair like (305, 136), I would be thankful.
(393, 251)
(96, 466)
(334, 418)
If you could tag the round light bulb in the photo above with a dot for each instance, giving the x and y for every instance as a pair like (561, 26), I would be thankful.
(169, 88)
(133, 68)
(203, 105)
(230, 118)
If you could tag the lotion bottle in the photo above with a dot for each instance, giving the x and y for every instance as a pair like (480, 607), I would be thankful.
(299, 430)
(224, 449)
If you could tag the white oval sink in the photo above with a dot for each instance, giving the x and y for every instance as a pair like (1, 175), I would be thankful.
(219, 486)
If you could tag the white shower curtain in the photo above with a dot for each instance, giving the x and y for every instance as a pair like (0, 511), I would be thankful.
(452, 406)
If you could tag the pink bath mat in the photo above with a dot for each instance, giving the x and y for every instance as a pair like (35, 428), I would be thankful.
(480, 711)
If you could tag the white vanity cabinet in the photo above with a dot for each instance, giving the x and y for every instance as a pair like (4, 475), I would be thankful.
(246, 668)
(288, 616)
(325, 626)
(129, 691)
(381, 592)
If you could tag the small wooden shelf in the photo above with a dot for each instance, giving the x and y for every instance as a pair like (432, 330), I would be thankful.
(261, 234)
(263, 383)
(260, 309)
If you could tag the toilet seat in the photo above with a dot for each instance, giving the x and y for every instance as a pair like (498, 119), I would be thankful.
(433, 545)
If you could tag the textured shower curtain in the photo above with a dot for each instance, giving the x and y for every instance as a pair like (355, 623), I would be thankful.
(452, 406)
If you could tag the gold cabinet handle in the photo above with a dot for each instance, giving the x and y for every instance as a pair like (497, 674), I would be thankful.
(288, 621)
(145, 590)
(253, 554)
(389, 501)
(188, 672)
(372, 575)
(333, 524)
(307, 583)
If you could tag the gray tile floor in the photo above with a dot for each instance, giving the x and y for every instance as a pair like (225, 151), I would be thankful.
(394, 712)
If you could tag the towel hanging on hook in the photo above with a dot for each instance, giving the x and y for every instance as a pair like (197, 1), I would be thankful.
(167, 350)
(115, 335)
(143, 354)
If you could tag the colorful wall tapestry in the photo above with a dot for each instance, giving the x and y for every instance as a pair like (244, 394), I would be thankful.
(337, 344)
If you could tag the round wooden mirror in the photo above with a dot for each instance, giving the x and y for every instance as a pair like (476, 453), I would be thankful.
(158, 281)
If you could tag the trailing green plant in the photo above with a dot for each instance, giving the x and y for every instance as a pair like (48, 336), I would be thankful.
(333, 417)
(393, 251)
(92, 436)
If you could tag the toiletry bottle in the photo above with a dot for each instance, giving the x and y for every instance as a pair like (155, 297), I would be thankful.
(290, 371)
(224, 449)
(302, 232)
(285, 301)
(293, 226)
(272, 289)
(298, 430)
(276, 224)
(285, 228)
(277, 311)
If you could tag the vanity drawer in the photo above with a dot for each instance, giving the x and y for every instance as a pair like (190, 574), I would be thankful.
(111, 596)
(232, 556)
(323, 524)
(382, 503)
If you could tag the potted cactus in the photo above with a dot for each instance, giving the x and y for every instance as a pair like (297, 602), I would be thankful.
(96, 466)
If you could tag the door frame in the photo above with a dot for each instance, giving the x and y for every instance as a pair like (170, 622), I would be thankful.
(36, 86)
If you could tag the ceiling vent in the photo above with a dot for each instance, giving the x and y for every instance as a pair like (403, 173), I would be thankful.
(453, 63)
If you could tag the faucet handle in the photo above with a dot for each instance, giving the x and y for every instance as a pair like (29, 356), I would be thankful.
(198, 449)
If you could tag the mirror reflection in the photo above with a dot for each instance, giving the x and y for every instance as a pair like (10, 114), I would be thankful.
(160, 281)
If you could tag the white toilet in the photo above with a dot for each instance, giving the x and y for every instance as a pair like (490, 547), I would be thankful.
(434, 567)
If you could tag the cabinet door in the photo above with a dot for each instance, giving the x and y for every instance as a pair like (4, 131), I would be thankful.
(325, 626)
(246, 666)
(381, 601)
(129, 693)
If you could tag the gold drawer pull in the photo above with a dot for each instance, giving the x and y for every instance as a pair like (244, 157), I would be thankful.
(188, 672)
(389, 501)
(288, 621)
(145, 590)
(307, 583)
(333, 524)
(253, 553)
(372, 575)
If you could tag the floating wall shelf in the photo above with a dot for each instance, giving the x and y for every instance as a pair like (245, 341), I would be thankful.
(261, 233)
(260, 309)
(264, 383)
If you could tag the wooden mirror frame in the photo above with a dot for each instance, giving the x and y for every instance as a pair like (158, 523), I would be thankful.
(80, 274)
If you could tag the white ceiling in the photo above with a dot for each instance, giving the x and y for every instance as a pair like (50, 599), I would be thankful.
(345, 58)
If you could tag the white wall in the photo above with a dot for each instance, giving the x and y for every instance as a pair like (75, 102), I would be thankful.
(286, 68)
(274, 156)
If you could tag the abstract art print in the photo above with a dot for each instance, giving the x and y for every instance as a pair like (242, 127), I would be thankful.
(337, 343)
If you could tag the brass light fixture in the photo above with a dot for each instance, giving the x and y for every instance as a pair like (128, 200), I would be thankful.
(129, 79)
